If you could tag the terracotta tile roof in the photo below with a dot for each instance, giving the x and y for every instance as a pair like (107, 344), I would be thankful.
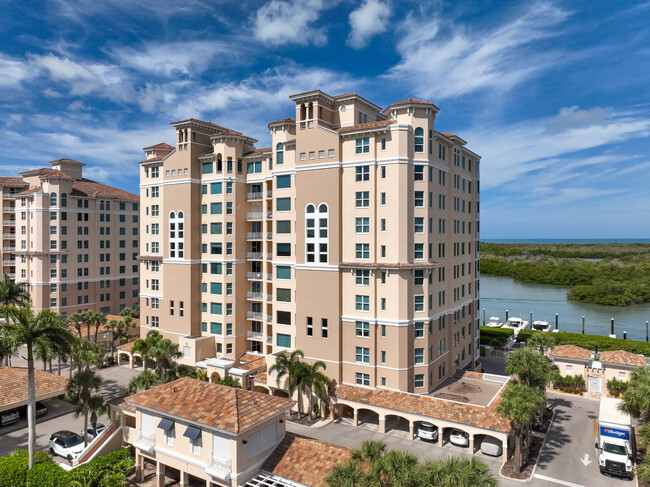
(119, 403)
(10, 180)
(622, 357)
(162, 145)
(126, 347)
(365, 126)
(209, 124)
(254, 364)
(260, 378)
(13, 385)
(31, 190)
(344, 95)
(284, 120)
(86, 187)
(152, 159)
(221, 407)
(480, 417)
(46, 172)
(570, 351)
(120, 318)
(411, 101)
(447, 134)
(304, 460)
(258, 152)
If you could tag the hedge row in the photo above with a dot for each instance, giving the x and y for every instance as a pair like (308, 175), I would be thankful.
(496, 337)
(590, 342)
(105, 471)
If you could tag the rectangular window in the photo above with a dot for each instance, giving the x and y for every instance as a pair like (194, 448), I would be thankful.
(283, 226)
(206, 168)
(419, 330)
(283, 272)
(362, 225)
(283, 182)
(363, 379)
(419, 355)
(419, 303)
(418, 275)
(215, 188)
(216, 208)
(419, 225)
(418, 380)
(418, 173)
(383, 146)
(283, 204)
(363, 145)
(419, 251)
(419, 198)
(362, 199)
(362, 173)
(362, 277)
(283, 295)
(362, 303)
(363, 251)
(283, 340)
(324, 330)
(310, 326)
(363, 329)
(284, 250)
(362, 355)
(216, 328)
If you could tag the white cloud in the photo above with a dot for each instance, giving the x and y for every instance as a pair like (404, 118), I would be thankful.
(290, 22)
(13, 71)
(443, 60)
(370, 19)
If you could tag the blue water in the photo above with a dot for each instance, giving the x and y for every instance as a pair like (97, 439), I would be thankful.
(565, 240)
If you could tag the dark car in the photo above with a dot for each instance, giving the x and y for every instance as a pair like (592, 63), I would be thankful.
(41, 410)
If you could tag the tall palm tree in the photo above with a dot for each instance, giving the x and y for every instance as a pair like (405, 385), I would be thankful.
(82, 385)
(77, 320)
(96, 319)
(532, 368)
(23, 328)
(145, 380)
(290, 366)
(636, 398)
(43, 351)
(315, 382)
(85, 353)
(97, 406)
(519, 403)
(164, 352)
(11, 294)
(145, 346)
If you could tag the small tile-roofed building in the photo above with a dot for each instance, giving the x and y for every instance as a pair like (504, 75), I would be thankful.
(13, 386)
(596, 369)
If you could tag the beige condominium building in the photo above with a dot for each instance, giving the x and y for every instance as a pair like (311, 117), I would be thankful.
(354, 238)
(73, 241)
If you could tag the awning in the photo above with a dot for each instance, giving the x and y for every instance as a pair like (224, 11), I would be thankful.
(192, 433)
(166, 424)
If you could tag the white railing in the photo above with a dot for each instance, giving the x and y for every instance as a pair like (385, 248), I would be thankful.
(269, 215)
(9, 235)
(254, 196)
(269, 256)
(218, 467)
(502, 379)
(253, 315)
(269, 277)
(269, 297)
(254, 255)
(144, 441)
(253, 334)
(269, 319)
(254, 275)
(254, 236)
(269, 194)
(269, 340)
(253, 295)
(8, 262)
(255, 215)
(9, 223)
(269, 236)
(8, 249)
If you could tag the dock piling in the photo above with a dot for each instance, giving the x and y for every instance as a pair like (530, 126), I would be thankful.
(583, 325)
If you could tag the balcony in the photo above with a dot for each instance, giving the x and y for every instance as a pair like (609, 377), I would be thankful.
(9, 262)
(256, 276)
(218, 468)
(144, 441)
(269, 215)
(254, 335)
(269, 194)
(254, 255)
(254, 236)
(9, 223)
(9, 236)
(8, 249)
(269, 236)
(269, 297)
(9, 209)
(269, 318)
(255, 215)
(269, 340)
(254, 296)
(253, 315)
(269, 277)
(269, 256)
(12, 275)
(254, 196)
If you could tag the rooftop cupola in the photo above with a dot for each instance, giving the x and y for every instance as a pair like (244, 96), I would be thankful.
(69, 166)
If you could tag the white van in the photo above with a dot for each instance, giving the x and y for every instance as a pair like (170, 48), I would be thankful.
(491, 446)
(427, 431)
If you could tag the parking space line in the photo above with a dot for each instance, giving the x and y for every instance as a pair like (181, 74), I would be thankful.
(557, 481)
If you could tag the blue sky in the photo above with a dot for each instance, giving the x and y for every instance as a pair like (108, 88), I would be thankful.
(554, 95)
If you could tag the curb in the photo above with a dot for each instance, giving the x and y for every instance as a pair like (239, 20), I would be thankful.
(539, 453)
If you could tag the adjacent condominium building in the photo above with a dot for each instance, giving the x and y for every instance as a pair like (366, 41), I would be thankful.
(354, 238)
(73, 241)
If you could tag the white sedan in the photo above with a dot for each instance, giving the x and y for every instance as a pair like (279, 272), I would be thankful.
(459, 438)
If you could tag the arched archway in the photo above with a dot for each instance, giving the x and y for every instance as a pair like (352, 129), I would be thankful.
(488, 445)
(215, 377)
(368, 419)
(280, 393)
(397, 425)
(456, 437)
(263, 389)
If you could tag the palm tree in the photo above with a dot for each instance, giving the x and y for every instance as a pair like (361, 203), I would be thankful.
(399, 468)
(230, 381)
(542, 341)
(457, 472)
(164, 351)
(291, 367)
(200, 374)
(97, 406)
(23, 328)
(43, 351)
(96, 319)
(145, 346)
(85, 353)
(346, 474)
(532, 368)
(636, 398)
(11, 294)
(369, 454)
(145, 380)
(519, 403)
(77, 320)
(315, 382)
(82, 385)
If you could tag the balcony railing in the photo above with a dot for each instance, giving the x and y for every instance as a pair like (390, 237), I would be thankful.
(269, 215)
(269, 340)
(255, 215)
(269, 236)
(9, 223)
(269, 297)
(258, 276)
(9, 262)
(8, 249)
(269, 256)
(269, 194)
(10, 236)
(253, 315)
(269, 277)
(253, 334)
(218, 467)
(254, 296)
(254, 255)
(144, 441)
(269, 318)
(254, 236)
(254, 196)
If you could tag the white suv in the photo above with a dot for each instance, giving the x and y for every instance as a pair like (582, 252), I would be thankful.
(66, 444)
(427, 431)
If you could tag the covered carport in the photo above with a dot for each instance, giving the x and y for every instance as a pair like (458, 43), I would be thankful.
(13, 386)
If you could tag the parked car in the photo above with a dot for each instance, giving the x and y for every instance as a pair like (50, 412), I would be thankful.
(91, 432)
(66, 444)
(459, 438)
(428, 431)
(41, 410)
(8, 417)
(491, 446)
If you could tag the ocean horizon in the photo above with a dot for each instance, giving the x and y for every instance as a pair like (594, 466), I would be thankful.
(565, 240)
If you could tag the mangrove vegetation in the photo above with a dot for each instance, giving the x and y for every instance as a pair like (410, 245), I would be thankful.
(610, 274)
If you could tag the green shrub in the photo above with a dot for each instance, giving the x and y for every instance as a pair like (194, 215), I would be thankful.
(13, 467)
(495, 337)
(590, 341)
(616, 387)
(47, 475)
(570, 381)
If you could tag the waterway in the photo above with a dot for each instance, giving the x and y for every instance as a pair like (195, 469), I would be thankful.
(499, 294)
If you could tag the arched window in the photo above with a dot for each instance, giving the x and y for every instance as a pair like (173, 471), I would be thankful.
(52, 199)
(108, 206)
(101, 205)
(419, 140)
(430, 141)
(279, 153)
(176, 235)
(64, 199)
(317, 233)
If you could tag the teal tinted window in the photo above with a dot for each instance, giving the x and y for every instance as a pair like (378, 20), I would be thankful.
(215, 188)
(215, 308)
(215, 268)
(283, 272)
(215, 288)
(284, 204)
(206, 168)
(215, 328)
(284, 340)
(283, 182)
(284, 250)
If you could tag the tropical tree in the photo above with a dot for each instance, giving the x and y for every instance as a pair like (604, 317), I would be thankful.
(121, 329)
(398, 468)
(457, 472)
(97, 406)
(85, 353)
(290, 367)
(532, 368)
(96, 319)
(230, 381)
(519, 403)
(23, 328)
(143, 381)
(346, 474)
(164, 351)
(145, 346)
(43, 351)
(636, 398)
(314, 382)
(82, 385)
(542, 341)
(11, 294)
(368, 455)
(200, 374)
(77, 320)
